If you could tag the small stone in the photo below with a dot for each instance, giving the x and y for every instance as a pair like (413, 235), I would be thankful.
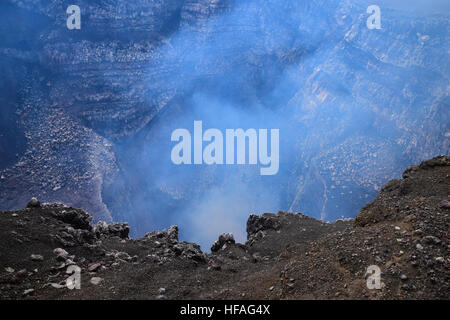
(397, 228)
(440, 259)
(162, 290)
(225, 238)
(255, 257)
(37, 257)
(96, 280)
(419, 247)
(432, 240)
(123, 256)
(445, 204)
(57, 285)
(178, 249)
(28, 292)
(404, 277)
(22, 273)
(61, 254)
(9, 270)
(61, 266)
(214, 266)
(93, 267)
(271, 288)
(69, 262)
(161, 297)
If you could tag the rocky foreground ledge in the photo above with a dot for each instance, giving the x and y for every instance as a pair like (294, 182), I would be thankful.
(404, 231)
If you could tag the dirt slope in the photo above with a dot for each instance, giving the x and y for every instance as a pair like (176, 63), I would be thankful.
(404, 231)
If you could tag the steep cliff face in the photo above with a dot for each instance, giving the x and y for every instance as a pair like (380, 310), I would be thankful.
(89, 112)
(73, 91)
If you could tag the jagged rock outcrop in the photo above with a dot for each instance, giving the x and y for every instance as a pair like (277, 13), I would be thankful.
(257, 223)
(225, 238)
(33, 203)
(77, 218)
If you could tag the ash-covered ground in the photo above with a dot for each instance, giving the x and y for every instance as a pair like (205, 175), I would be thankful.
(404, 231)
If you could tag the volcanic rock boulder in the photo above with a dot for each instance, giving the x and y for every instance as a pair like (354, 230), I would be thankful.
(170, 235)
(120, 230)
(260, 223)
(34, 203)
(77, 218)
(225, 238)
